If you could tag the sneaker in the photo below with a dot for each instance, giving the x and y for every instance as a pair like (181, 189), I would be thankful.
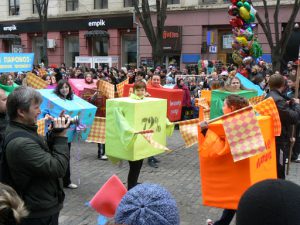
(103, 157)
(297, 160)
(209, 222)
(156, 160)
(72, 186)
(152, 164)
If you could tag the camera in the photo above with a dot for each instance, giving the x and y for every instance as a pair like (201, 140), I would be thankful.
(74, 120)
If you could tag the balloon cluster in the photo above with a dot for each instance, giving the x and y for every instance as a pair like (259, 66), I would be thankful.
(246, 48)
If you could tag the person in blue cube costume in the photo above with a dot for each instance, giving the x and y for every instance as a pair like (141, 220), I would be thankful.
(64, 91)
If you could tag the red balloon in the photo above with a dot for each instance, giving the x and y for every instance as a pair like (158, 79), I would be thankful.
(233, 10)
(234, 1)
(244, 72)
(236, 22)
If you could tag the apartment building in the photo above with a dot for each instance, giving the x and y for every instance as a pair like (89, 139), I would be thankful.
(194, 29)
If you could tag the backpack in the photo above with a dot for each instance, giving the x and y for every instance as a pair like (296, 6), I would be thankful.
(5, 176)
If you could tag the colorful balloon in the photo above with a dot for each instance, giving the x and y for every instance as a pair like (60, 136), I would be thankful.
(233, 10)
(242, 41)
(240, 4)
(247, 6)
(236, 22)
(247, 60)
(244, 13)
(256, 50)
(234, 2)
(248, 33)
(237, 58)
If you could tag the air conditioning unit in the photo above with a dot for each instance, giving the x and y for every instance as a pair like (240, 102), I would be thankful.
(51, 43)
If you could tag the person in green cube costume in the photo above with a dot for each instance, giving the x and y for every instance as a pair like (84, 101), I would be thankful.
(232, 85)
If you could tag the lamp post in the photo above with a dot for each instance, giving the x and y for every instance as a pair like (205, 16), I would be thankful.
(137, 40)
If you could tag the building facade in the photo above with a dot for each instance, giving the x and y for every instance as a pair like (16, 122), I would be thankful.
(194, 29)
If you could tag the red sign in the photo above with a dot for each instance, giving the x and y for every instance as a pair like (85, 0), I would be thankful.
(174, 99)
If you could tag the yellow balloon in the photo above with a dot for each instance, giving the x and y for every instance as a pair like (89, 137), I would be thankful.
(244, 13)
(242, 41)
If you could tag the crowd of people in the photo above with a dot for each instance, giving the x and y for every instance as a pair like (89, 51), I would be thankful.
(42, 169)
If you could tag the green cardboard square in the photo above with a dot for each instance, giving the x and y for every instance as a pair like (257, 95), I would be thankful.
(136, 115)
(218, 97)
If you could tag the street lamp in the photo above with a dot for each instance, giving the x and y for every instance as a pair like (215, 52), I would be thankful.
(137, 40)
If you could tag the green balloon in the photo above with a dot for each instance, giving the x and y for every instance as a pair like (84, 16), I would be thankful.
(239, 4)
(247, 6)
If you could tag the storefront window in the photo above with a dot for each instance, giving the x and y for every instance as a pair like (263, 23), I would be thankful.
(99, 46)
(37, 48)
(14, 7)
(129, 49)
(71, 49)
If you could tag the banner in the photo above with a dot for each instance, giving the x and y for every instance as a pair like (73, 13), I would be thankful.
(248, 84)
(243, 134)
(120, 87)
(97, 133)
(16, 62)
(107, 89)
(189, 131)
(269, 108)
(35, 82)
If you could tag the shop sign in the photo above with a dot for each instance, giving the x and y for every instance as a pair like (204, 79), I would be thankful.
(10, 28)
(172, 39)
(17, 49)
(213, 49)
(99, 23)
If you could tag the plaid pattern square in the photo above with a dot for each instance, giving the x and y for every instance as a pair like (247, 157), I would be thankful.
(243, 134)
(256, 100)
(148, 135)
(120, 87)
(268, 107)
(97, 133)
(107, 89)
(41, 127)
(35, 81)
(189, 131)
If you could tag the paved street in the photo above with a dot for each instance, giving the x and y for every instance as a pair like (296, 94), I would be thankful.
(178, 172)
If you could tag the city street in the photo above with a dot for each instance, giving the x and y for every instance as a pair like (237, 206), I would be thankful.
(178, 172)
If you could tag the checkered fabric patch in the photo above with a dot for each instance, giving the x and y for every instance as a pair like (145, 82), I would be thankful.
(97, 133)
(243, 134)
(201, 102)
(269, 108)
(41, 127)
(256, 100)
(189, 131)
(35, 81)
(149, 137)
(107, 89)
(120, 87)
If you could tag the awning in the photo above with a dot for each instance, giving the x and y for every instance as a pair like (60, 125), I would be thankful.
(97, 33)
(9, 37)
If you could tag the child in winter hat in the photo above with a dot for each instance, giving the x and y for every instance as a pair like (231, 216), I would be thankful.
(147, 204)
(270, 202)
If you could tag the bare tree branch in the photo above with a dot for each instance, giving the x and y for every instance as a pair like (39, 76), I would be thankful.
(268, 21)
(267, 33)
(276, 21)
(289, 27)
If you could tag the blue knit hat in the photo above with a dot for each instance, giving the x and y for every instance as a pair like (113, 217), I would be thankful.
(147, 204)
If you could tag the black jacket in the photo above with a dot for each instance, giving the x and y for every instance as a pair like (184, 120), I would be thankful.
(37, 172)
(289, 113)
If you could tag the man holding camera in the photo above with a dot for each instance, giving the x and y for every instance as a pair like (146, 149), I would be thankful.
(36, 167)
